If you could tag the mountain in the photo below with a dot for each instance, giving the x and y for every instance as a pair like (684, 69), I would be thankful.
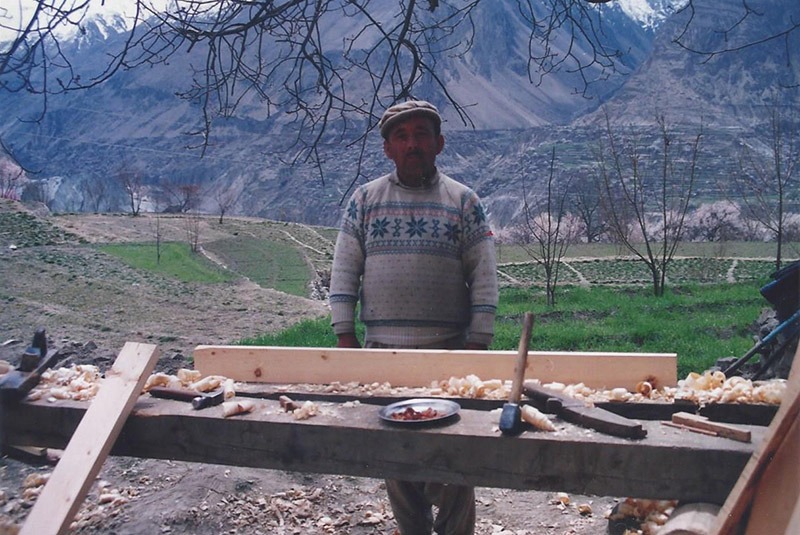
(135, 122)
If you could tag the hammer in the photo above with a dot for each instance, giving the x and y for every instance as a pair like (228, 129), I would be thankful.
(199, 400)
(510, 418)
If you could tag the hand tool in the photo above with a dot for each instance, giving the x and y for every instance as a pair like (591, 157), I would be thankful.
(16, 384)
(34, 354)
(199, 400)
(583, 413)
(510, 417)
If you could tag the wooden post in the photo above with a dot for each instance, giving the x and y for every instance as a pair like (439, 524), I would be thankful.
(93, 439)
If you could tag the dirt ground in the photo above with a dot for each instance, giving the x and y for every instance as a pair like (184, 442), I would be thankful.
(91, 304)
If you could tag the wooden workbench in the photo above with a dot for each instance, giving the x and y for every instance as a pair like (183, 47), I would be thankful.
(350, 439)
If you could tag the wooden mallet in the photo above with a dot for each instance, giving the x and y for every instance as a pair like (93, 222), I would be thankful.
(510, 418)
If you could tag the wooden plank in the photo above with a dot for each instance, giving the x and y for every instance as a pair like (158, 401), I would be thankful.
(779, 491)
(750, 482)
(350, 439)
(91, 442)
(721, 429)
(415, 368)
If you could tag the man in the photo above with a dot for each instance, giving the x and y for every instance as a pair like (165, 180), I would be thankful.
(415, 247)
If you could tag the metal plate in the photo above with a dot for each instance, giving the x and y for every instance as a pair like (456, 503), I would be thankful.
(444, 408)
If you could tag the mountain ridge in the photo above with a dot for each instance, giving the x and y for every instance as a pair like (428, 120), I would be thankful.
(135, 122)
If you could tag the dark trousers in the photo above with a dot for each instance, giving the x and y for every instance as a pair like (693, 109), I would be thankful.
(412, 502)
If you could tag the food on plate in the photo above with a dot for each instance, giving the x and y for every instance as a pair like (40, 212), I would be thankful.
(410, 413)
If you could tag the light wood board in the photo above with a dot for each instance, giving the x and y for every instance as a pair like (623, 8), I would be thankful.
(418, 368)
(91, 442)
(768, 489)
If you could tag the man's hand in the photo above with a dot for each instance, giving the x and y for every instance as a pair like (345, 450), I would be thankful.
(348, 340)
(474, 346)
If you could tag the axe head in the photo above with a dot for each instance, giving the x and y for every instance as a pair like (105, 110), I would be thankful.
(208, 400)
(511, 419)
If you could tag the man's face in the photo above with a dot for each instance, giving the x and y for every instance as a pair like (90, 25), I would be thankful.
(413, 146)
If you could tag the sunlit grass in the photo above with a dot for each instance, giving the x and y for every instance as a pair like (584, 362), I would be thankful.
(698, 323)
(176, 260)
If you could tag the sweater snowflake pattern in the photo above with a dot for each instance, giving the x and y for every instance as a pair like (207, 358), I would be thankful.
(421, 260)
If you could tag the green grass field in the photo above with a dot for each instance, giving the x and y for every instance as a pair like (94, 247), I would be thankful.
(708, 312)
(177, 261)
(698, 323)
(269, 263)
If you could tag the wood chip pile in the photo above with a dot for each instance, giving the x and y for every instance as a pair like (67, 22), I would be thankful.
(80, 382)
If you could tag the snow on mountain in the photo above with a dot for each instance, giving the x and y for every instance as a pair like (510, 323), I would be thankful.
(105, 16)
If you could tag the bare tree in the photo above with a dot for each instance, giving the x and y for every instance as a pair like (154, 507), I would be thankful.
(191, 224)
(585, 203)
(180, 197)
(743, 24)
(225, 200)
(768, 179)
(11, 174)
(131, 183)
(547, 232)
(282, 54)
(653, 182)
(95, 193)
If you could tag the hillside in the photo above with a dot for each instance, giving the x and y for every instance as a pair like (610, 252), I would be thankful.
(56, 279)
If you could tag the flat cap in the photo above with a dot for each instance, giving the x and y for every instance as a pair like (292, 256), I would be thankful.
(404, 110)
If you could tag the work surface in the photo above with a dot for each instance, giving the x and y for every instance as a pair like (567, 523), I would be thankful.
(349, 438)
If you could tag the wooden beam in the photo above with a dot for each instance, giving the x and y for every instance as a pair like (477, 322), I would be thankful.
(91, 442)
(417, 368)
(759, 476)
(351, 439)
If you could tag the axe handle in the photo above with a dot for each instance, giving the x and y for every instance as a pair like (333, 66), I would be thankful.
(178, 394)
(522, 359)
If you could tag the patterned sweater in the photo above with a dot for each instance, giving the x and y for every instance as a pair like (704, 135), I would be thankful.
(421, 260)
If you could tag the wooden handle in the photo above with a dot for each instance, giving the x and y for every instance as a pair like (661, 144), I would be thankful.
(164, 392)
(522, 359)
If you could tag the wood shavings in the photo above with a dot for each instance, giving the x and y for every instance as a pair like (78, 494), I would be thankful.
(561, 498)
(644, 388)
(306, 411)
(714, 387)
(536, 418)
(472, 386)
(232, 408)
(208, 383)
(156, 379)
(78, 382)
(651, 514)
(709, 387)
(187, 376)
(37, 479)
(228, 389)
